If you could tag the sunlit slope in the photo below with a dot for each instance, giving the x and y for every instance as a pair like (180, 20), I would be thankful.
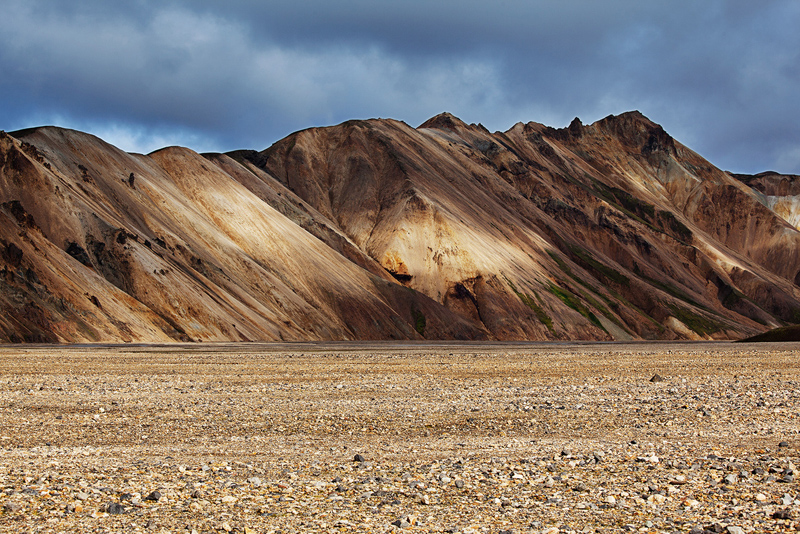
(195, 253)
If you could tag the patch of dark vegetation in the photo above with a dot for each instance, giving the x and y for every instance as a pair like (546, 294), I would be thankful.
(593, 302)
(672, 226)
(419, 321)
(632, 204)
(541, 315)
(564, 267)
(569, 298)
(777, 335)
(640, 210)
(697, 323)
(660, 221)
(585, 259)
(669, 289)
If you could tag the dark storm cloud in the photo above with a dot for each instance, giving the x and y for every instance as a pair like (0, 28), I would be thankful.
(719, 75)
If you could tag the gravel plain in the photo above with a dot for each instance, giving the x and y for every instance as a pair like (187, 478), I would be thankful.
(439, 437)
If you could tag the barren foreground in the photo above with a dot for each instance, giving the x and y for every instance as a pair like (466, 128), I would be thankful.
(415, 438)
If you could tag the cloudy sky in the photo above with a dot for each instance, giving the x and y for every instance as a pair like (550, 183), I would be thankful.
(720, 76)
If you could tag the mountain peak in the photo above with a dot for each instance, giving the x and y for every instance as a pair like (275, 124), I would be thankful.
(637, 130)
(628, 118)
(444, 121)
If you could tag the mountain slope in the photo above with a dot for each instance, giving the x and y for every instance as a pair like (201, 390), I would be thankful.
(195, 253)
(613, 224)
(377, 230)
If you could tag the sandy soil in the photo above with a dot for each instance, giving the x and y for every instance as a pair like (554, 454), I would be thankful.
(412, 437)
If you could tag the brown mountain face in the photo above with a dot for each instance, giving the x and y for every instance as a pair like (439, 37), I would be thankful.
(376, 230)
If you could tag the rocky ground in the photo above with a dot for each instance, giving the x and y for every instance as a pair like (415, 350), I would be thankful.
(407, 438)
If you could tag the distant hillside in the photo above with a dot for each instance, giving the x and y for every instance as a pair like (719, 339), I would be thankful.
(784, 334)
(377, 230)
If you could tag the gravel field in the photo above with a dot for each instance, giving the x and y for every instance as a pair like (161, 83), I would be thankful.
(544, 438)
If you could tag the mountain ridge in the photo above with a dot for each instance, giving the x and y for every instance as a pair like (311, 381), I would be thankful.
(376, 230)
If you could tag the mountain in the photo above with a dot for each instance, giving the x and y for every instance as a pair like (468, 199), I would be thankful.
(377, 230)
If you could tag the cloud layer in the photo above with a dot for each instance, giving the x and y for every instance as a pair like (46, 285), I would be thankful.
(720, 75)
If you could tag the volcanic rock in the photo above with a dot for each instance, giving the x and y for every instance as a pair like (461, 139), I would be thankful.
(377, 230)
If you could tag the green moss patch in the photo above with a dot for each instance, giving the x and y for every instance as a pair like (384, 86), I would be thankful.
(541, 315)
(569, 298)
(672, 226)
(419, 321)
(587, 261)
(697, 323)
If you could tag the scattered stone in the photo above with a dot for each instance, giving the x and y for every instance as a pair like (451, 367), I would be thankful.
(12, 507)
(781, 514)
(580, 453)
(401, 522)
(114, 508)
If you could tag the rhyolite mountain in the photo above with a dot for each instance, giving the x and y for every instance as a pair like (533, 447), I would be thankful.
(376, 230)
